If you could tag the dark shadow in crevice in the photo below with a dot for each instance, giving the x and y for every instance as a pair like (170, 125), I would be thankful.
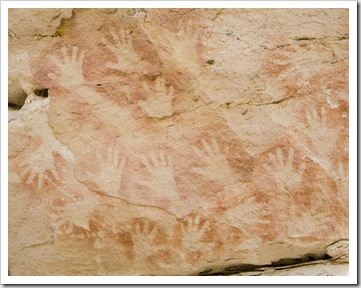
(235, 269)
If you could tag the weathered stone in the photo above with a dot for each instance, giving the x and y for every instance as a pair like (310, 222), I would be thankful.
(176, 141)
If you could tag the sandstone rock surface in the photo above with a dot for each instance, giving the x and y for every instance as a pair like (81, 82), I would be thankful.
(176, 141)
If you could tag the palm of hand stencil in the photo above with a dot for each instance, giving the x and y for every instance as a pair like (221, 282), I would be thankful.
(319, 222)
(161, 175)
(287, 177)
(192, 234)
(217, 168)
(37, 164)
(127, 57)
(143, 240)
(322, 137)
(108, 176)
(247, 214)
(70, 73)
(342, 183)
(183, 44)
(159, 102)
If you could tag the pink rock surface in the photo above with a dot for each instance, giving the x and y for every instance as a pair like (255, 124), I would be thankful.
(175, 141)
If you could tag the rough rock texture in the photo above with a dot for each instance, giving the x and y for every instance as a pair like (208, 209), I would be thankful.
(177, 141)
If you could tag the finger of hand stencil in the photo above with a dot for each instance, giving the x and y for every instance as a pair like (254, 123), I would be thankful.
(25, 170)
(157, 84)
(200, 171)
(272, 158)
(31, 177)
(146, 163)
(190, 225)
(115, 159)
(216, 149)
(163, 87)
(197, 220)
(314, 114)
(323, 117)
(146, 88)
(121, 165)
(153, 233)
(302, 168)
(81, 59)
(204, 228)
(207, 147)
(109, 155)
(169, 161)
(137, 229)
(52, 76)
(112, 65)
(341, 171)
(116, 38)
(280, 156)
(146, 183)
(186, 27)
(269, 169)
(183, 228)
(65, 54)
(40, 180)
(74, 54)
(180, 28)
(226, 150)
(109, 46)
(56, 61)
(154, 160)
(309, 118)
(54, 172)
(196, 33)
(290, 157)
(171, 91)
(162, 159)
(100, 158)
(146, 228)
(198, 152)
(126, 37)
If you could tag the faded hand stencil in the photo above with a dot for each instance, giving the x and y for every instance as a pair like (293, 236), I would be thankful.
(322, 137)
(143, 240)
(159, 101)
(108, 174)
(161, 178)
(287, 176)
(217, 168)
(168, 153)
(193, 232)
(70, 73)
(122, 48)
(38, 165)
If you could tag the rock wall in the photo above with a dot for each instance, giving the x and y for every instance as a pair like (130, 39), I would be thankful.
(176, 141)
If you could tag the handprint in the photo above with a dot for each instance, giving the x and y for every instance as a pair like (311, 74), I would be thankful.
(285, 175)
(161, 172)
(159, 102)
(37, 164)
(182, 46)
(342, 183)
(143, 240)
(192, 234)
(314, 223)
(322, 137)
(217, 168)
(123, 49)
(71, 73)
(108, 176)
(247, 214)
